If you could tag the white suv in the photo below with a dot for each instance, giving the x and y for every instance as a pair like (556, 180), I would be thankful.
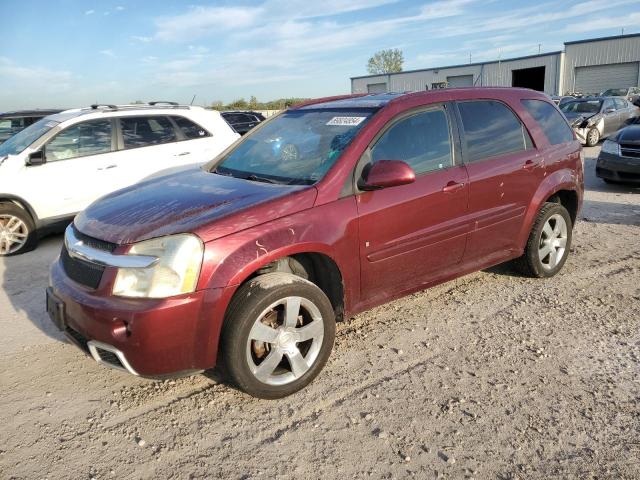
(62, 163)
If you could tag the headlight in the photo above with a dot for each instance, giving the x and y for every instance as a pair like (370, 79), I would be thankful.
(176, 271)
(611, 147)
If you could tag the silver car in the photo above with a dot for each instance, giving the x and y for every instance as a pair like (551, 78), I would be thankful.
(594, 118)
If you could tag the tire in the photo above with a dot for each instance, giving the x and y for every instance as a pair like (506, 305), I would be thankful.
(17, 230)
(257, 332)
(549, 242)
(593, 137)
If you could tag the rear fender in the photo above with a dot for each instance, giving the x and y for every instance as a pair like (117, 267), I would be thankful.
(565, 179)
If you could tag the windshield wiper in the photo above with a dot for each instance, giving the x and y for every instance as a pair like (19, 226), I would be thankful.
(226, 174)
(256, 178)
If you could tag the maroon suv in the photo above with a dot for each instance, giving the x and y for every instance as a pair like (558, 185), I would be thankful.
(324, 211)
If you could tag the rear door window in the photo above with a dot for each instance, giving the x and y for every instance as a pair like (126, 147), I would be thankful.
(421, 140)
(92, 137)
(190, 129)
(491, 129)
(146, 131)
(550, 120)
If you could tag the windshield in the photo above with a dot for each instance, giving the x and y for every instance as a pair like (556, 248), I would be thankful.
(615, 92)
(26, 137)
(587, 106)
(296, 148)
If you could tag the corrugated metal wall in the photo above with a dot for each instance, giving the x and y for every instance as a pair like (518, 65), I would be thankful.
(602, 52)
(559, 68)
(488, 74)
(499, 74)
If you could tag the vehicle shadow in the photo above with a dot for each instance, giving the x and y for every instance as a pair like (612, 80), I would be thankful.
(24, 281)
(611, 212)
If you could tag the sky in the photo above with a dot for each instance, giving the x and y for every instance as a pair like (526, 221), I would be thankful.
(70, 53)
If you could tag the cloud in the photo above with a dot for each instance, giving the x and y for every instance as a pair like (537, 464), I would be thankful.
(108, 53)
(205, 21)
(119, 8)
(202, 21)
(16, 76)
(89, 12)
(602, 23)
(141, 38)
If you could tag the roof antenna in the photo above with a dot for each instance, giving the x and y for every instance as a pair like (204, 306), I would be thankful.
(192, 100)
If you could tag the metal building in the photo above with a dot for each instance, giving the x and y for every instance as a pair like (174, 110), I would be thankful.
(587, 66)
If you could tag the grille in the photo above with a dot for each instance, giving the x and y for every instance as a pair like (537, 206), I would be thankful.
(93, 242)
(80, 271)
(630, 151)
(85, 273)
(78, 337)
(109, 357)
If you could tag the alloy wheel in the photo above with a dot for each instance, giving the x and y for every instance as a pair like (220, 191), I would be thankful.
(553, 242)
(13, 234)
(285, 341)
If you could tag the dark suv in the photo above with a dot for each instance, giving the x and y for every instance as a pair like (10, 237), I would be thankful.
(14, 122)
(242, 122)
(331, 208)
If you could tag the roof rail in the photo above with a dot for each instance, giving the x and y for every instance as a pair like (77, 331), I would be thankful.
(162, 101)
(95, 106)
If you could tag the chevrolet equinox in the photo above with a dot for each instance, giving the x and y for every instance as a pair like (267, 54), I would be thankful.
(326, 210)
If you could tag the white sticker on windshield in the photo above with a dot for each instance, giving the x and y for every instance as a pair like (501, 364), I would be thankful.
(346, 121)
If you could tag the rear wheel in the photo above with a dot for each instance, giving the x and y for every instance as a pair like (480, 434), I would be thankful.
(549, 242)
(277, 336)
(17, 230)
(593, 137)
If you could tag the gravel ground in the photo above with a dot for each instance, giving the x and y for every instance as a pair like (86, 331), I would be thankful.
(490, 376)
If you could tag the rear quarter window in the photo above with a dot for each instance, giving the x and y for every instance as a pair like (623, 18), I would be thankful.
(550, 120)
(190, 129)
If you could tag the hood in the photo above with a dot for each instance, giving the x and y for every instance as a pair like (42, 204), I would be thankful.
(573, 116)
(628, 135)
(188, 201)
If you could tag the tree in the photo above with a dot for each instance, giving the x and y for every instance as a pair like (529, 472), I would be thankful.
(253, 102)
(386, 61)
(239, 104)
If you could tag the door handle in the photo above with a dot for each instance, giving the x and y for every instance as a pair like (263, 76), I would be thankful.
(530, 165)
(452, 186)
(182, 154)
(107, 167)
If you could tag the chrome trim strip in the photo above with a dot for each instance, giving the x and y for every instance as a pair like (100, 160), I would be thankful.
(78, 249)
(94, 345)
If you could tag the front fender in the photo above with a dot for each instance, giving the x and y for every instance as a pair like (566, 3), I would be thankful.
(330, 229)
(564, 179)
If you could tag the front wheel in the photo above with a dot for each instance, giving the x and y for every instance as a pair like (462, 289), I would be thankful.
(548, 245)
(17, 230)
(277, 335)
(593, 137)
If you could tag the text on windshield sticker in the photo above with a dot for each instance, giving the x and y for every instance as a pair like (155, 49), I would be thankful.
(346, 121)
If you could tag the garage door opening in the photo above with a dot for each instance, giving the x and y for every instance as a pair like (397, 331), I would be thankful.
(377, 88)
(532, 78)
(460, 81)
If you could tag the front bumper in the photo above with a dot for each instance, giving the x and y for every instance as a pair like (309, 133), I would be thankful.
(620, 169)
(581, 133)
(148, 337)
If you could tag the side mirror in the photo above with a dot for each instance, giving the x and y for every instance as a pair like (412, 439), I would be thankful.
(610, 110)
(36, 158)
(385, 174)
